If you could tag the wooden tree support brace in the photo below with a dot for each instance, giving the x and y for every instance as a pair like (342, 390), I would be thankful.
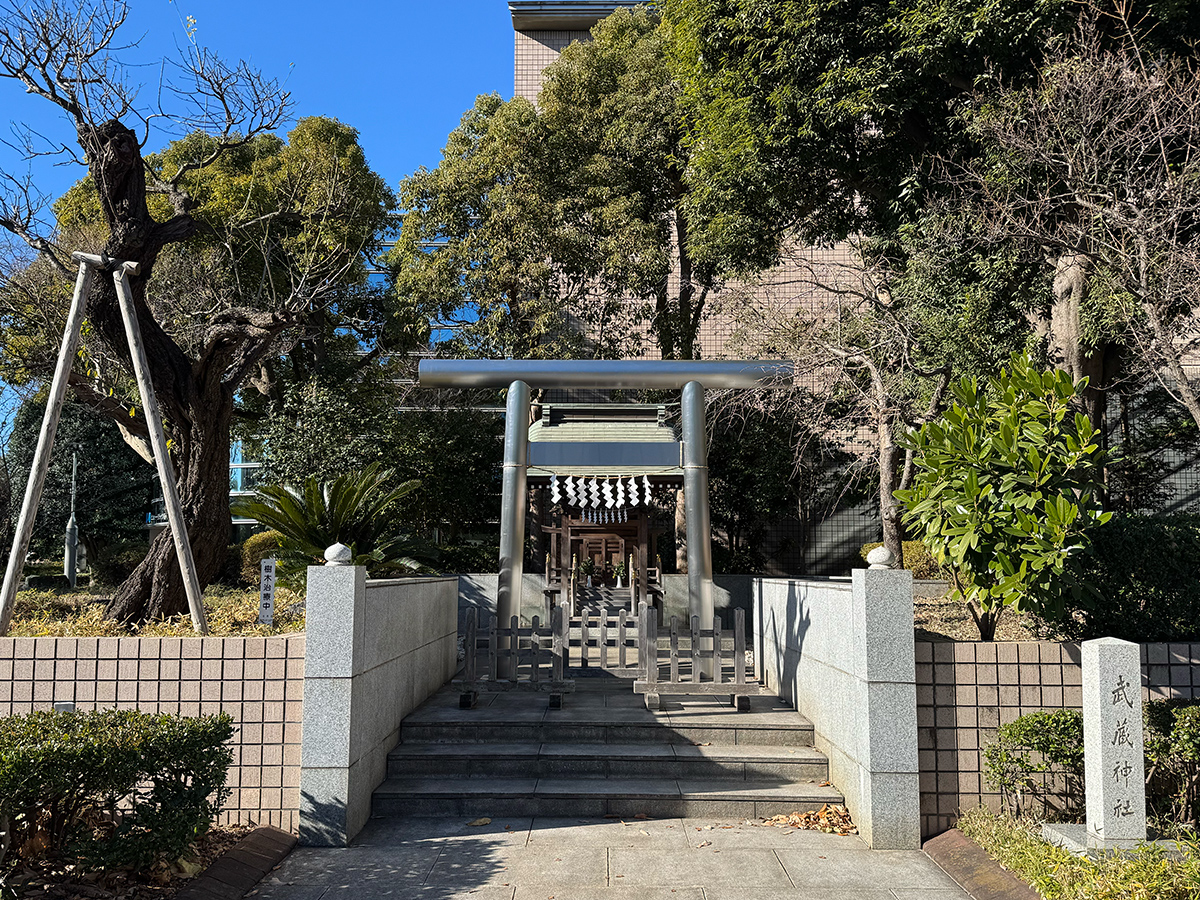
(88, 262)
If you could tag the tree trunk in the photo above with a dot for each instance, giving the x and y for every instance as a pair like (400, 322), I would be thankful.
(681, 562)
(890, 509)
(1066, 347)
(194, 399)
(155, 588)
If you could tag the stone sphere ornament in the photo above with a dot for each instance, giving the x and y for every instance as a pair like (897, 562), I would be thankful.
(338, 555)
(881, 558)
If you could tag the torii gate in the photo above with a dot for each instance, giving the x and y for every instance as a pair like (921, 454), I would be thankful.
(520, 375)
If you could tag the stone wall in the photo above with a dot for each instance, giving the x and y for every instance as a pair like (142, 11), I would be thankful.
(258, 681)
(842, 654)
(966, 690)
(376, 651)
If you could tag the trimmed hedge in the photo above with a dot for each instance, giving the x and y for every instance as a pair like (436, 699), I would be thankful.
(116, 563)
(917, 559)
(111, 788)
(1051, 743)
(1146, 574)
(255, 549)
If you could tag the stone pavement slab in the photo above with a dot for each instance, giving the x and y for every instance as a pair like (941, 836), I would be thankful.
(525, 858)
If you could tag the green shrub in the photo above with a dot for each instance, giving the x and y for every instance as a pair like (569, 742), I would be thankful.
(459, 558)
(255, 549)
(1146, 873)
(1173, 761)
(354, 509)
(116, 562)
(1146, 572)
(1004, 492)
(1048, 744)
(917, 559)
(1031, 755)
(112, 788)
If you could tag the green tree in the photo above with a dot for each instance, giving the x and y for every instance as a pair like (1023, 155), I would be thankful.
(1005, 492)
(327, 430)
(114, 486)
(576, 207)
(239, 235)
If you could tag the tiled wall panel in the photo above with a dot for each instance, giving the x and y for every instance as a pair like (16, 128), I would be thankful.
(258, 681)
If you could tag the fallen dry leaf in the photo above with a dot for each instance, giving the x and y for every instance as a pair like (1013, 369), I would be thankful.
(704, 844)
(483, 820)
(830, 818)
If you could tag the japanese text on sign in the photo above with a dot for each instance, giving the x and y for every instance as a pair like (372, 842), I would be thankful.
(266, 593)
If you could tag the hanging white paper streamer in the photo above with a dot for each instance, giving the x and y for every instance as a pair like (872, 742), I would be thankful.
(595, 491)
(555, 496)
(620, 492)
(608, 493)
(646, 488)
(624, 515)
(569, 485)
(633, 493)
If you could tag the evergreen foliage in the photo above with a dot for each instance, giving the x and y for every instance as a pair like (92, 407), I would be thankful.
(1005, 492)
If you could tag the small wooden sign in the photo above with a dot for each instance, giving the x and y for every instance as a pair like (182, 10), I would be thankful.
(266, 593)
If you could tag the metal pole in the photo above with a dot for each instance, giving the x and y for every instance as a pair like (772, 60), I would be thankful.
(695, 497)
(72, 539)
(162, 459)
(512, 511)
(41, 456)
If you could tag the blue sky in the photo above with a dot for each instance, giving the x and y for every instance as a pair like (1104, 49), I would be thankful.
(402, 73)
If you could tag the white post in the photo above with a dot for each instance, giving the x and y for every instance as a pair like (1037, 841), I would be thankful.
(1113, 754)
(41, 456)
(162, 459)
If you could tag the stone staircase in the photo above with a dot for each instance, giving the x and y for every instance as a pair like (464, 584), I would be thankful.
(602, 754)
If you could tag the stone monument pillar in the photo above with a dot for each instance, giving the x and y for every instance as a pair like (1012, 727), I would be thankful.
(1114, 766)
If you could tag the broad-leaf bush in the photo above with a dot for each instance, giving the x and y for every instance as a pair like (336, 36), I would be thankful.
(1147, 577)
(1029, 757)
(1004, 494)
(112, 788)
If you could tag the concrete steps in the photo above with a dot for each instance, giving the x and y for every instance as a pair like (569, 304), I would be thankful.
(603, 754)
(587, 760)
(652, 797)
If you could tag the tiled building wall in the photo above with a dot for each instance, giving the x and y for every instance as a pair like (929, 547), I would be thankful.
(258, 681)
(966, 690)
(532, 52)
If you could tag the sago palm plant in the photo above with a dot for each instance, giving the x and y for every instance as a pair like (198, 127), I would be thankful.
(350, 509)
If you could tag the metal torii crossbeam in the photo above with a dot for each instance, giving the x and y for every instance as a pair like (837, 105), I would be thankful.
(519, 375)
(121, 271)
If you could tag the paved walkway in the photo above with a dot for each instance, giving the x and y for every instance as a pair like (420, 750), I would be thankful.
(594, 859)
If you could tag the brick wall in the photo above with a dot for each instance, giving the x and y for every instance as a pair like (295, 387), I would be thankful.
(258, 681)
(966, 690)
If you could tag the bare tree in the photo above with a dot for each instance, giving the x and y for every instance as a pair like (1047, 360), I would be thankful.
(201, 349)
(859, 354)
(1099, 165)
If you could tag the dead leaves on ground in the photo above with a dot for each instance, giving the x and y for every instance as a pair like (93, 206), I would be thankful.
(831, 818)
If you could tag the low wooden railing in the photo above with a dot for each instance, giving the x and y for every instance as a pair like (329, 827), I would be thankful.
(540, 651)
(602, 633)
(651, 682)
